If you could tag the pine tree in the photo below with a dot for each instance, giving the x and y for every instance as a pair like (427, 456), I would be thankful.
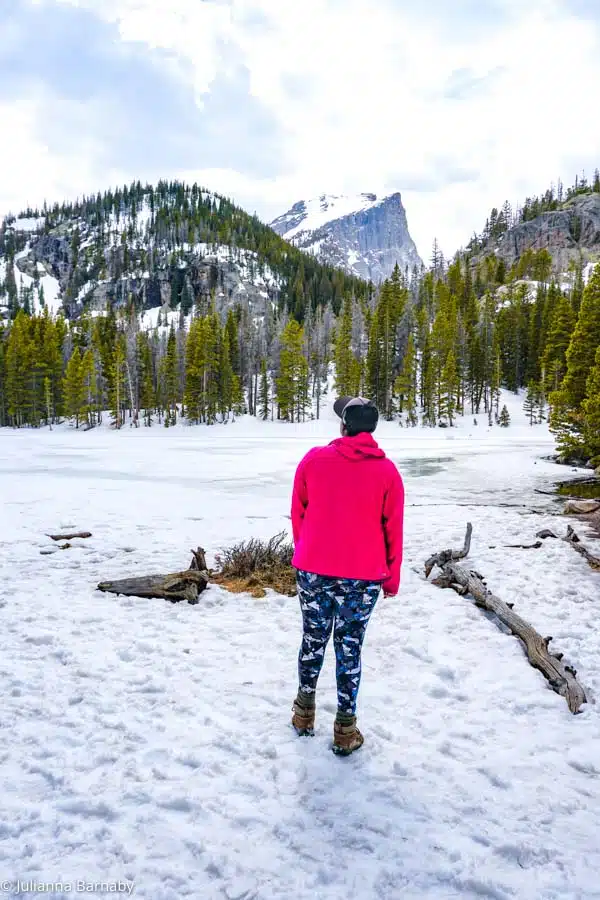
(504, 417)
(591, 414)
(225, 377)
(194, 370)
(383, 342)
(531, 402)
(19, 367)
(170, 379)
(116, 374)
(145, 368)
(405, 385)
(428, 384)
(541, 400)
(448, 391)
(210, 377)
(567, 419)
(104, 340)
(554, 360)
(442, 374)
(343, 356)
(90, 387)
(584, 341)
(48, 399)
(74, 387)
(3, 409)
(231, 329)
(293, 371)
(495, 382)
(577, 291)
(264, 396)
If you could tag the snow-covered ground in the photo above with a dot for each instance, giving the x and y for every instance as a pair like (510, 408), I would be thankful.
(148, 742)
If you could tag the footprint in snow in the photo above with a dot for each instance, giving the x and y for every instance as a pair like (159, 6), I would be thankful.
(495, 780)
(446, 673)
(40, 640)
(88, 810)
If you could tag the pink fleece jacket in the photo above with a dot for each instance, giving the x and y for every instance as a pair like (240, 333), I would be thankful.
(348, 512)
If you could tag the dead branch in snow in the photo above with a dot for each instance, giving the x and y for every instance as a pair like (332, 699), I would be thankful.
(535, 546)
(561, 678)
(574, 541)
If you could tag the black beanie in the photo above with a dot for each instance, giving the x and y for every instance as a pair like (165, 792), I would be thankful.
(357, 414)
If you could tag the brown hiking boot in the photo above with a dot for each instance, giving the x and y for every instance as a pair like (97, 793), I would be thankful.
(303, 719)
(346, 736)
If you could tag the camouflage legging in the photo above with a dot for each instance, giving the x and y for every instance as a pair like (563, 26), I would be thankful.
(344, 605)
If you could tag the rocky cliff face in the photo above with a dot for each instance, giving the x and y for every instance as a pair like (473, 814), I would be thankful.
(127, 259)
(571, 233)
(362, 234)
(230, 277)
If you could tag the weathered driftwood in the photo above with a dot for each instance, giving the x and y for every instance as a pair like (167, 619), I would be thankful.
(445, 556)
(561, 677)
(174, 587)
(70, 536)
(572, 538)
(535, 546)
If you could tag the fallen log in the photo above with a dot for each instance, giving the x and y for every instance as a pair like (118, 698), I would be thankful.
(71, 536)
(573, 539)
(561, 678)
(175, 587)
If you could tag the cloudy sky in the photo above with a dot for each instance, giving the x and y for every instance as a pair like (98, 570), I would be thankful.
(458, 104)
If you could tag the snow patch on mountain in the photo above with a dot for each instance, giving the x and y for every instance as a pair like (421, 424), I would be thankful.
(314, 214)
(28, 223)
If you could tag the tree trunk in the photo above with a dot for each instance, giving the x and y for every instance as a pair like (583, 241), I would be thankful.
(174, 587)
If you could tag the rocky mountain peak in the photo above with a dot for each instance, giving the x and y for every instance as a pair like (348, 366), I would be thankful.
(361, 233)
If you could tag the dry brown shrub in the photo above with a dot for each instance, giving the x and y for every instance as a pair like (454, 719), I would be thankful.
(254, 566)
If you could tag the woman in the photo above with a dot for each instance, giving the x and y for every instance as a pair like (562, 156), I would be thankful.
(347, 520)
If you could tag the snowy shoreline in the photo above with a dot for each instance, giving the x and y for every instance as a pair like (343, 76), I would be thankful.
(150, 743)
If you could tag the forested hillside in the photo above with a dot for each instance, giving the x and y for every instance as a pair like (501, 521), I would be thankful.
(165, 246)
(426, 346)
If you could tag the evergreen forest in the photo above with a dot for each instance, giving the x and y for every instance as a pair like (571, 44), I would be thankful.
(427, 346)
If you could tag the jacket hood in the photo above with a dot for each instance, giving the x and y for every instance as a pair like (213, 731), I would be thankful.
(360, 446)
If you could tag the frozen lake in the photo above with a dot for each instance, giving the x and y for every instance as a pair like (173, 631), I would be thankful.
(151, 742)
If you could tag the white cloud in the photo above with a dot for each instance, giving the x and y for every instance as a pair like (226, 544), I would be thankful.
(192, 30)
(378, 95)
(376, 111)
(32, 173)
